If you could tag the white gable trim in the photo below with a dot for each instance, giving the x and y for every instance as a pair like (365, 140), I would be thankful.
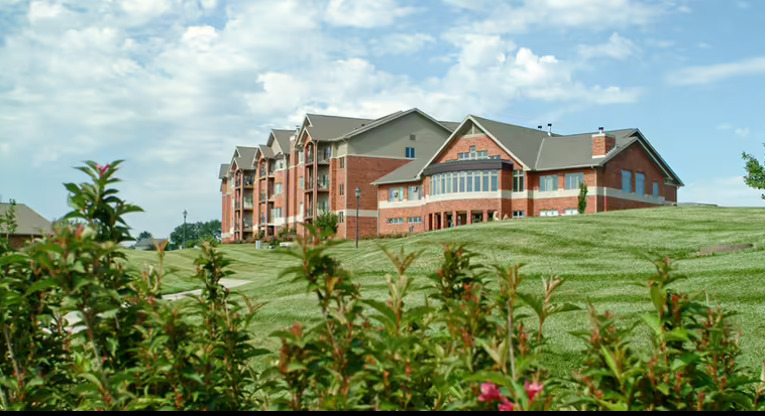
(455, 134)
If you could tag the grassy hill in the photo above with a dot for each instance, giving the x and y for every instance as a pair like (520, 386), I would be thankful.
(601, 257)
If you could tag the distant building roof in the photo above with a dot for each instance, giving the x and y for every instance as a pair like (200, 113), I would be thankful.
(283, 139)
(28, 222)
(148, 243)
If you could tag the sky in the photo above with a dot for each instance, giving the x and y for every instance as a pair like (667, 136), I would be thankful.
(171, 86)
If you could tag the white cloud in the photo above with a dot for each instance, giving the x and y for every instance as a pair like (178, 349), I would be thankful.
(742, 132)
(43, 10)
(617, 47)
(401, 44)
(714, 73)
(365, 13)
(174, 96)
(729, 191)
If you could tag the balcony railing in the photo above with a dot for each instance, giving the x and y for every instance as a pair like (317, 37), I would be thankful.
(323, 184)
(249, 182)
(248, 203)
(323, 160)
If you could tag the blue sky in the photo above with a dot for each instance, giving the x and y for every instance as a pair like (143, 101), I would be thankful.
(173, 85)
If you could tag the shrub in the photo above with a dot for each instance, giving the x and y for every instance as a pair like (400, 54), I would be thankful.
(326, 223)
(80, 332)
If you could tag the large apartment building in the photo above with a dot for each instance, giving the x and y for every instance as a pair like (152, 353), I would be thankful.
(418, 174)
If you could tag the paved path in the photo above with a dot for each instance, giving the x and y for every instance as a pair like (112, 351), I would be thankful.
(228, 283)
(72, 319)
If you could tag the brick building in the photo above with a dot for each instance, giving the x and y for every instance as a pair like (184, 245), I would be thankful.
(29, 224)
(417, 174)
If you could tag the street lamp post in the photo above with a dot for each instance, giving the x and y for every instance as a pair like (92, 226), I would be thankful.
(358, 196)
(184, 227)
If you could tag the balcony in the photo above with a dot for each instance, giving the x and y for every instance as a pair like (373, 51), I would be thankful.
(323, 161)
(323, 185)
(248, 203)
(309, 158)
(249, 182)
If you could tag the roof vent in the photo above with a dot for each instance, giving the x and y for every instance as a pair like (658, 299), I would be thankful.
(549, 129)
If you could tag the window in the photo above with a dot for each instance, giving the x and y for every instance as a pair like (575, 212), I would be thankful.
(484, 154)
(301, 212)
(455, 181)
(485, 181)
(340, 217)
(278, 189)
(573, 180)
(627, 181)
(342, 189)
(477, 181)
(470, 181)
(414, 220)
(414, 193)
(302, 183)
(442, 183)
(571, 211)
(449, 183)
(395, 220)
(301, 157)
(548, 213)
(396, 194)
(640, 183)
(519, 182)
(494, 181)
(473, 153)
(463, 175)
(410, 152)
(276, 213)
(656, 189)
(519, 214)
(342, 163)
(281, 164)
(548, 183)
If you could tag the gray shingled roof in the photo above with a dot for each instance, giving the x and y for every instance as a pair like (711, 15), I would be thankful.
(522, 142)
(538, 151)
(329, 127)
(28, 222)
(451, 125)
(246, 157)
(560, 152)
(406, 173)
(283, 138)
(223, 170)
(267, 152)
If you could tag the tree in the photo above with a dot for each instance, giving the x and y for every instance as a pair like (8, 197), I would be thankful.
(144, 234)
(194, 232)
(582, 198)
(755, 173)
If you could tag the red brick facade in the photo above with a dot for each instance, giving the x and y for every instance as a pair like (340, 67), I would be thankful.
(378, 216)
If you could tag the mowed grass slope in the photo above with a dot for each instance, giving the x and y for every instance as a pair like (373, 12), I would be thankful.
(602, 258)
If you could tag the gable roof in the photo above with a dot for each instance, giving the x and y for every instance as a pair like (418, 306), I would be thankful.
(266, 151)
(223, 170)
(28, 222)
(538, 151)
(282, 138)
(391, 117)
(322, 128)
(244, 157)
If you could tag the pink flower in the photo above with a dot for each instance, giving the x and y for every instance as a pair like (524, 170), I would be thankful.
(532, 389)
(489, 393)
(102, 169)
(506, 405)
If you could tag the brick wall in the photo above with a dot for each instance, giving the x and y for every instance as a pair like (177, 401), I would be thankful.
(463, 144)
(636, 160)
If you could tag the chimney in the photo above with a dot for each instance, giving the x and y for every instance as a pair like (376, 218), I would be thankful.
(602, 143)
(549, 129)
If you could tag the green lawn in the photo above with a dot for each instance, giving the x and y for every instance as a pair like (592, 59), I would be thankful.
(600, 256)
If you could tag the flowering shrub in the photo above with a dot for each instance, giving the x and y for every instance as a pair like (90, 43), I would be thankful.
(80, 332)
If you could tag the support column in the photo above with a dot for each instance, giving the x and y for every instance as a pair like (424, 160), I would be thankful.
(455, 219)
(485, 215)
